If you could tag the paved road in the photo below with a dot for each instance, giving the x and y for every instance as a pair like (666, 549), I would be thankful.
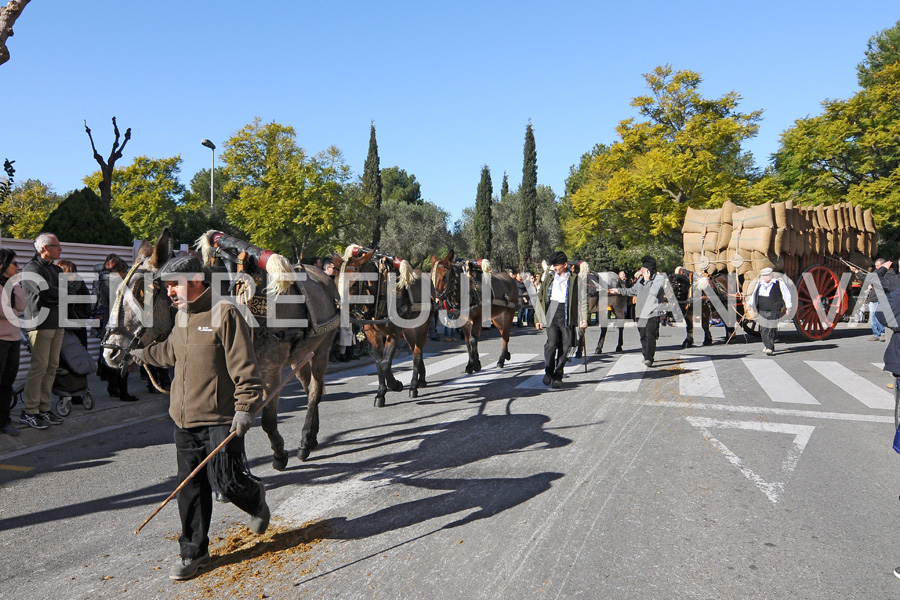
(718, 473)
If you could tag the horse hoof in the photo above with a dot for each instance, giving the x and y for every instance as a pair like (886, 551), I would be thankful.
(280, 461)
(413, 393)
(507, 355)
(500, 363)
(477, 367)
(396, 386)
(469, 369)
(303, 453)
(707, 342)
(379, 401)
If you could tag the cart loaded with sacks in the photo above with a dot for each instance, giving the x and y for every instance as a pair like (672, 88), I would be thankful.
(813, 246)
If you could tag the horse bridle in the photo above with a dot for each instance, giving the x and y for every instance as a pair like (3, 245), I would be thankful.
(446, 299)
(118, 310)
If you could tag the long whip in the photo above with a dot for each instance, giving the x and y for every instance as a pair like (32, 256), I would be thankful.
(230, 437)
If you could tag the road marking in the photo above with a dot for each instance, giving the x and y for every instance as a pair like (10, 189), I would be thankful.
(15, 468)
(699, 378)
(857, 386)
(760, 410)
(489, 373)
(340, 377)
(405, 376)
(775, 382)
(624, 376)
(773, 490)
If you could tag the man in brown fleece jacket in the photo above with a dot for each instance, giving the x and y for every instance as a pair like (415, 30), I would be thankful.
(216, 389)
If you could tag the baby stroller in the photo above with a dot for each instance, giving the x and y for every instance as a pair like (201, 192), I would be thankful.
(71, 382)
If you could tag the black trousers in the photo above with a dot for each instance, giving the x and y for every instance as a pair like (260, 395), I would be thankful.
(226, 472)
(559, 340)
(768, 333)
(9, 367)
(649, 334)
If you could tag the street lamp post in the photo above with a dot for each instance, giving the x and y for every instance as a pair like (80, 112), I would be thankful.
(212, 171)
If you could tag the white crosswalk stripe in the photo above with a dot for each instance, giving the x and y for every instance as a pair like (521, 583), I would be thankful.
(405, 376)
(489, 373)
(625, 375)
(699, 378)
(776, 382)
(857, 386)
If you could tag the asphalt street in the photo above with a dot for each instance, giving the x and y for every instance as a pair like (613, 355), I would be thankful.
(716, 473)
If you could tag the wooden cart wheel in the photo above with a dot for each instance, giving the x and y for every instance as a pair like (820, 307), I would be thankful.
(814, 319)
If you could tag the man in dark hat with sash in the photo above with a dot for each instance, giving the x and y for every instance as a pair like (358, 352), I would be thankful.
(563, 308)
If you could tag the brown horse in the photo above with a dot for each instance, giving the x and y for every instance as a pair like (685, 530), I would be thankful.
(275, 346)
(396, 302)
(458, 290)
(598, 282)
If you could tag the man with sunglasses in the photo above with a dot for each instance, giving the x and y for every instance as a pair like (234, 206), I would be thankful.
(40, 284)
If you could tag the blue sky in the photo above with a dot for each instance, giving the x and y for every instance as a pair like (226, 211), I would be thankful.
(449, 86)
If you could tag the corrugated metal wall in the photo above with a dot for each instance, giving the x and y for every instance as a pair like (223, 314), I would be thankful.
(87, 257)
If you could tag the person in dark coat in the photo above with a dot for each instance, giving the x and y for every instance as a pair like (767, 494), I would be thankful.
(563, 309)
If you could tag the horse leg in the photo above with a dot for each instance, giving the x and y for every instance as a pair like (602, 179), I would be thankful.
(467, 329)
(621, 341)
(312, 376)
(390, 350)
(504, 324)
(688, 329)
(416, 341)
(472, 343)
(269, 422)
(599, 348)
(707, 335)
(378, 349)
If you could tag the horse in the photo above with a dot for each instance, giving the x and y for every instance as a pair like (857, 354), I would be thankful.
(618, 303)
(684, 289)
(396, 297)
(447, 277)
(275, 346)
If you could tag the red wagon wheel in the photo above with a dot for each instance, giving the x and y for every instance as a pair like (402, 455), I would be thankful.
(820, 302)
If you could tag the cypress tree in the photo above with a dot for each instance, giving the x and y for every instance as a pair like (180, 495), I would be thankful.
(528, 206)
(504, 187)
(483, 201)
(372, 185)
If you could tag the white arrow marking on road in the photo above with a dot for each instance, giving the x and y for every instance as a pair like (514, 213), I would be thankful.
(699, 378)
(624, 376)
(857, 386)
(488, 373)
(775, 489)
(775, 382)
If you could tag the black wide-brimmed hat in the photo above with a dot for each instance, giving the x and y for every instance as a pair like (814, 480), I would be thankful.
(557, 258)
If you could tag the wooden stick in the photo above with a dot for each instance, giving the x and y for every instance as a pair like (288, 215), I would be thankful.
(230, 437)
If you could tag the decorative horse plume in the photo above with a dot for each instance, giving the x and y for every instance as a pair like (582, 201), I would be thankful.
(276, 265)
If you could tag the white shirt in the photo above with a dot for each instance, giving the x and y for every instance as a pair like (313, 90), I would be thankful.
(766, 288)
(559, 287)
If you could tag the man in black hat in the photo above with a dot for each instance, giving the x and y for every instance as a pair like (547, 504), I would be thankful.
(651, 303)
(216, 389)
(563, 307)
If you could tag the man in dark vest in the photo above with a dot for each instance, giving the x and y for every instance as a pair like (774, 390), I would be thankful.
(563, 308)
(771, 299)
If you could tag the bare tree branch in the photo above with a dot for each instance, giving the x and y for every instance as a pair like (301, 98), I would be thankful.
(8, 16)
(107, 166)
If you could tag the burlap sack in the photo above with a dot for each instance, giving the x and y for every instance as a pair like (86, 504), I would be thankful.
(860, 219)
(696, 242)
(756, 238)
(755, 217)
(781, 244)
(779, 211)
(830, 218)
(696, 220)
(869, 221)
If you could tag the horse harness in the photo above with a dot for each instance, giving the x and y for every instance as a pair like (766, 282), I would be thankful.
(406, 304)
